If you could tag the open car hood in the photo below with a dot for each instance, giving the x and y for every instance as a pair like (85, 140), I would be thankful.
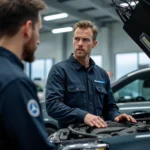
(136, 21)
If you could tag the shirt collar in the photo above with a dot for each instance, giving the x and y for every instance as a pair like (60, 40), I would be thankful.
(78, 65)
(12, 57)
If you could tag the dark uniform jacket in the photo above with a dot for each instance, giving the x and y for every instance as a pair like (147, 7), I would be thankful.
(21, 122)
(72, 91)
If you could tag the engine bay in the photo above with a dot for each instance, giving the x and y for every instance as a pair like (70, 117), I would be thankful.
(82, 136)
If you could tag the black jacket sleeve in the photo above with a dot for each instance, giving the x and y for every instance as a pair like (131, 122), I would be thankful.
(55, 99)
(25, 130)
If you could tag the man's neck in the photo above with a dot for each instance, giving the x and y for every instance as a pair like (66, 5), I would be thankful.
(84, 61)
(12, 45)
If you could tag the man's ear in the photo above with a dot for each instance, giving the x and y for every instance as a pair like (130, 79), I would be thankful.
(27, 29)
(94, 44)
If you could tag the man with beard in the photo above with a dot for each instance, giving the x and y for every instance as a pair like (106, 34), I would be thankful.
(79, 91)
(21, 122)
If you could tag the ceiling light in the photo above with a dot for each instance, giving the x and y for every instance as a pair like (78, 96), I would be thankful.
(61, 30)
(56, 16)
(131, 3)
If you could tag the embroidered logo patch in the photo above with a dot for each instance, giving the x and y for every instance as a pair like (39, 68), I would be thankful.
(100, 81)
(33, 108)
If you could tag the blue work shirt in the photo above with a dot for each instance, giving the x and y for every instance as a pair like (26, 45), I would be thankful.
(72, 91)
(21, 122)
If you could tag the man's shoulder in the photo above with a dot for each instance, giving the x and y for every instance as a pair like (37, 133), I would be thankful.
(10, 72)
(10, 69)
(100, 70)
(63, 64)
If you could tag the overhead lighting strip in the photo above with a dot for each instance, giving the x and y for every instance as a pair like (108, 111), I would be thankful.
(61, 30)
(56, 16)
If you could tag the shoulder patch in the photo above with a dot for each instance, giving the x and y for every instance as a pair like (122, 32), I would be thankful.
(33, 108)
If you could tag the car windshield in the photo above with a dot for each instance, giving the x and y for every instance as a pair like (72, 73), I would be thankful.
(138, 90)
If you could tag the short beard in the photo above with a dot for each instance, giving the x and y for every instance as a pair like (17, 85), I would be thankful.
(79, 56)
(28, 54)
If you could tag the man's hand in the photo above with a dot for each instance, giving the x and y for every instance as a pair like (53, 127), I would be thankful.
(93, 120)
(125, 116)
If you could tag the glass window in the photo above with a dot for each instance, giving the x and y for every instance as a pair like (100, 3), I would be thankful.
(27, 68)
(37, 69)
(97, 59)
(143, 59)
(126, 63)
(136, 91)
(48, 65)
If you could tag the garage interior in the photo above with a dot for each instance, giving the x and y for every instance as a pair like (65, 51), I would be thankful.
(114, 45)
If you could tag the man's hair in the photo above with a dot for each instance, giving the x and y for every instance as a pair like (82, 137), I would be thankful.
(14, 13)
(87, 24)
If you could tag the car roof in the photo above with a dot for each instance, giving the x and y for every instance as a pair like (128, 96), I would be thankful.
(137, 74)
(133, 73)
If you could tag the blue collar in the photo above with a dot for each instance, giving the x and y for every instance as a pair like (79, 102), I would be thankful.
(78, 65)
(12, 57)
